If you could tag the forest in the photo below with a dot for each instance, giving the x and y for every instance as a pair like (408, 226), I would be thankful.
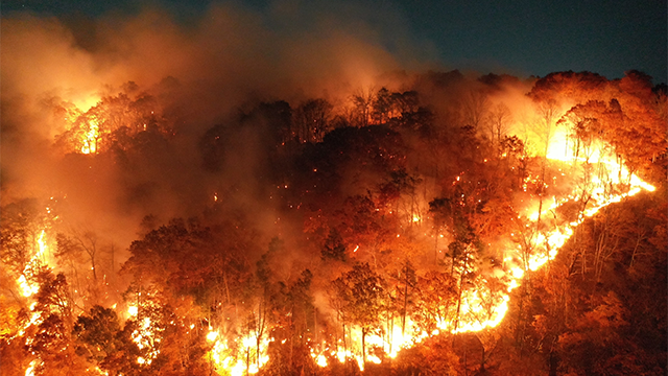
(432, 223)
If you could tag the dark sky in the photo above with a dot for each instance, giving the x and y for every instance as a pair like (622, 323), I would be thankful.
(522, 37)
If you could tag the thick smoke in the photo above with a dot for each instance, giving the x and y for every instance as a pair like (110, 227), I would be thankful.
(203, 71)
(208, 79)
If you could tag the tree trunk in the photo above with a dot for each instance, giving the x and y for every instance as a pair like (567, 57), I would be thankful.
(639, 239)
(403, 314)
(482, 358)
(260, 330)
(315, 324)
(459, 305)
(554, 363)
(364, 347)
(247, 361)
(345, 344)
(519, 331)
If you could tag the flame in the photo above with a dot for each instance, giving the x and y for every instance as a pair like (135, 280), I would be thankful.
(476, 314)
(146, 336)
(480, 308)
(91, 137)
(320, 360)
(211, 336)
(25, 280)
(28, 287)
(30, 371)
(242, 356)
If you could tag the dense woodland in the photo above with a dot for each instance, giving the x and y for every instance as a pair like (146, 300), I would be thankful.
(323, 223)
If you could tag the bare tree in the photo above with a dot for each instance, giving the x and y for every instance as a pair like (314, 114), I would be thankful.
(382, 106)
(474, 108)
(362, 101)
(498, 120)
(312, 119)
(76, 246)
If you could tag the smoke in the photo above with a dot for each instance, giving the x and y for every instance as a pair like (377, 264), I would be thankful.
(202, 70)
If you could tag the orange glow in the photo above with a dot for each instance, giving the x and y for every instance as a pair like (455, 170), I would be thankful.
(479, 307)
(241, 357)
(321, 361)
(30, 371)
(86, 102)
(27, 285)
(91, 138)
(474, 316)
(40, 257)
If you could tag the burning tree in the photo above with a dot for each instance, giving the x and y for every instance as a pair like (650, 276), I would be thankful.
(362, 296)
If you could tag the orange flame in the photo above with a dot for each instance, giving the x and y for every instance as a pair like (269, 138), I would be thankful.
(91, 138)
(474, 317)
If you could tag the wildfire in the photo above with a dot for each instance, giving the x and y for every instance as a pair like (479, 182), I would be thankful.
(91, 137)
(146, 336)
(478, 308)
(248, 354)
(30, 371)
(554, 239)
(245, 356)
(475, 316)
(25, 281)
(28, 286)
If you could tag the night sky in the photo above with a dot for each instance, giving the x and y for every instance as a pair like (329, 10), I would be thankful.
(523, 37)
